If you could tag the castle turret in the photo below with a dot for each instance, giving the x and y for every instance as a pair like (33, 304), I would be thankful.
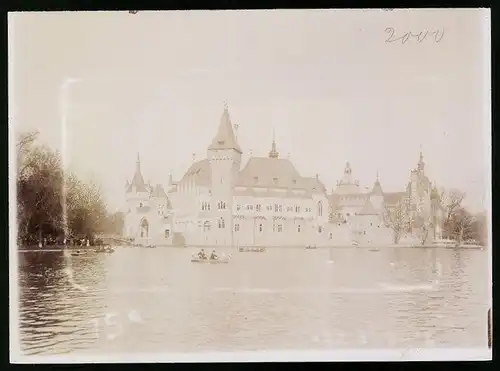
(224, 155)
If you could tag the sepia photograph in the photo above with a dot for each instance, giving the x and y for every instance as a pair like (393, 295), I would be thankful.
(265, 185)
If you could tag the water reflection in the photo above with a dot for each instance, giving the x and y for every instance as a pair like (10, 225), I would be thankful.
(146, 300)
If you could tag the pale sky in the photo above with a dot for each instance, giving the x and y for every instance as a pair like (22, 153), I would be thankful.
(326, 81)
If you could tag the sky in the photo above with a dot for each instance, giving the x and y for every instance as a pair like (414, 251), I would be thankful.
(326, 82)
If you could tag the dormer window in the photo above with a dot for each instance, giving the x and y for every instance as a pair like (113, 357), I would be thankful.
(275, 180)
(220, 142)
(255, 179)
(294, 181)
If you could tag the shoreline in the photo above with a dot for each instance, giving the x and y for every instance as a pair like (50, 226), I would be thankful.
(236, 248)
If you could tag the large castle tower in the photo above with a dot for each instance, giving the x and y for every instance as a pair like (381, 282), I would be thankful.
(224, 156)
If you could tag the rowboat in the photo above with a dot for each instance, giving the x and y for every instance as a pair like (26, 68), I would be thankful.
(224, 259)
(252, 249)
(210, 261)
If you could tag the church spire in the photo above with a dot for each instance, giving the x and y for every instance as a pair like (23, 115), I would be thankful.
(273, 153)
(225, 138)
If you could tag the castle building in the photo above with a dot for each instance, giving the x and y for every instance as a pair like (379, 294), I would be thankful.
(267, 202)
(219, 202)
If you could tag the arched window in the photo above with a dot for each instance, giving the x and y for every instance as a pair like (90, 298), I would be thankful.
(320, 208)
(320, 229)
(140, 204)
(236, 227)
(331, 236)
(206, 226)
(260, 227)
(222, 224)
(167, 233)
(298, 228)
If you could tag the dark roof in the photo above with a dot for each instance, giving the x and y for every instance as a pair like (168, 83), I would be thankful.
(225, 138)
(288, 193)
(158, 191)
(392, 198)
(377, 189)
(200, 173)
(269, 172)
(137, 184)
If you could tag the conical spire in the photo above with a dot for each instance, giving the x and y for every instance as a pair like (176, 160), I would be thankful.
(225, 138)
(377, 188)
(138, 180)
(273, 153)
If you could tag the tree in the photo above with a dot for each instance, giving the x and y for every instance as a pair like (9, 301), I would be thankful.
(451, 201)
(398, 219)
(50, 202)
(461, 225)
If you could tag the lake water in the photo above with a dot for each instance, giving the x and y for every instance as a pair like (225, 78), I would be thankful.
(156, 300)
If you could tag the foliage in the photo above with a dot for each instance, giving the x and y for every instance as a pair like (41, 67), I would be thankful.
(398, 219)
(45, 194)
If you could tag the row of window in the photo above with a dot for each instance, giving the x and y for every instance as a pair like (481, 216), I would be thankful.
(276, 227)
(278, 208)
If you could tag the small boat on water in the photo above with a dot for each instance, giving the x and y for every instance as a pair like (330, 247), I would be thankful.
(220, 260)
(209, 261)
(310, 247)
(252, 249)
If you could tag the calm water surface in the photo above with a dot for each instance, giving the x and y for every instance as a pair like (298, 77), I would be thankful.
(147, 300)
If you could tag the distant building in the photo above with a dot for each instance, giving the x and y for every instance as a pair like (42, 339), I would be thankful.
(364, 214)
(148, 214)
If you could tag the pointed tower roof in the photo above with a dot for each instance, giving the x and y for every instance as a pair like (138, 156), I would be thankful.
(377, 188)
(273, 153)
(225, 138)
(137, 180)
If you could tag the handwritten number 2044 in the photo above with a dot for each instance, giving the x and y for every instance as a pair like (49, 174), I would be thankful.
(419, 37)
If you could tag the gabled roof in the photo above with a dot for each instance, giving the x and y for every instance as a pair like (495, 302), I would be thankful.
(225, 138)
(199, 172)
(270, 172)
(158, 191)
(368, 209)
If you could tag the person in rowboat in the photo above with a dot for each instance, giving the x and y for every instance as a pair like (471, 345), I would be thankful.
(202, 255)
(213, 256)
